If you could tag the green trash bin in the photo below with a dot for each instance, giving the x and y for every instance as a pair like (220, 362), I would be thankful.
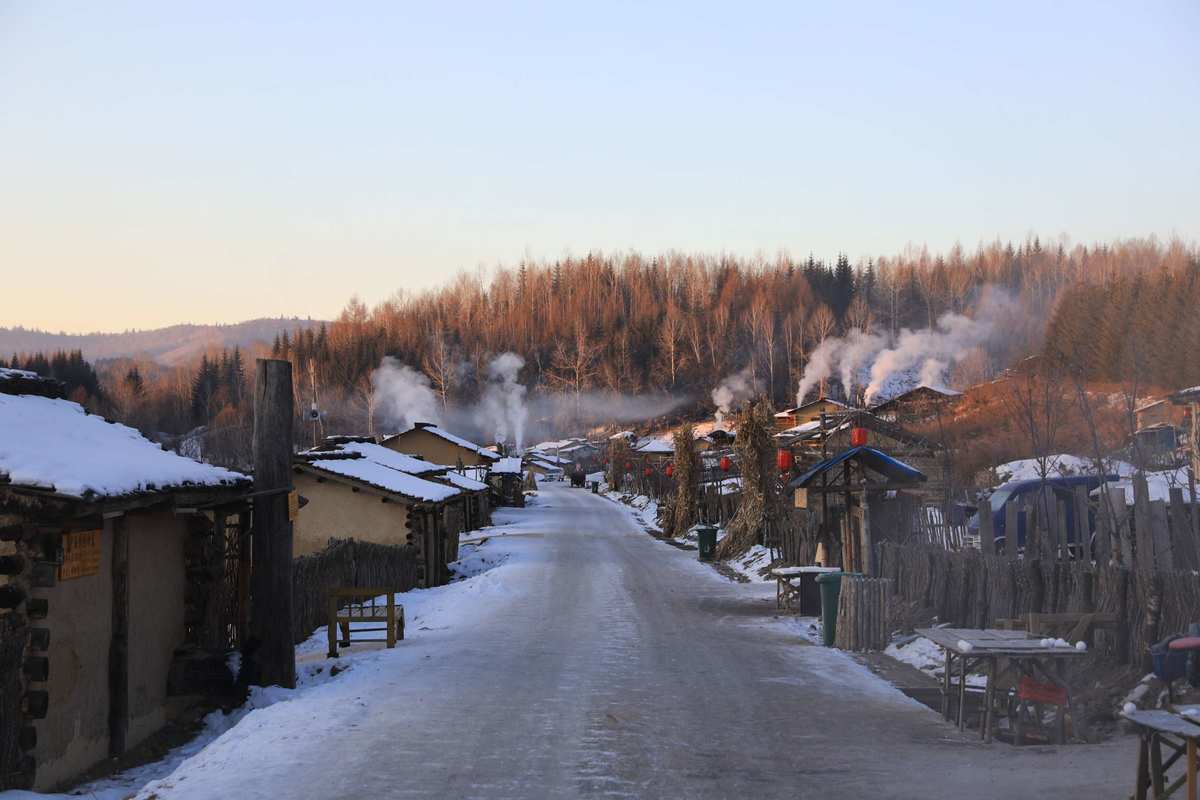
(830, 584)
(706, 540)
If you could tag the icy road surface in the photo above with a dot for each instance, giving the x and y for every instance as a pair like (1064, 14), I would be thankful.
(597, 662)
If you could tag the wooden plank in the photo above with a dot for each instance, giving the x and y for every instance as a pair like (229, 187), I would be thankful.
(1012, 522)
(1164, 558)
(987, 543)
(1144, 541)
(1183, 545)
(1122, 541)
(1083, 530)
(1062, 535)
(1102, 547)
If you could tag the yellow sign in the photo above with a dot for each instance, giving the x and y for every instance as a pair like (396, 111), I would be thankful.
(802, 498)
(81, 555)
(293, 505)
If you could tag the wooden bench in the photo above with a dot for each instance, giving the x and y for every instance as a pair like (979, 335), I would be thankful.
(348, 605)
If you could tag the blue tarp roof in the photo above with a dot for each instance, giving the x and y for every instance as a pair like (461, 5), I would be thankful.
(891, 468)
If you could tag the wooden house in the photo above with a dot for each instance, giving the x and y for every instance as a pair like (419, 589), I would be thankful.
(918, 405)
(112, 554)
(808, 412)
(439, 446)
(355, 489)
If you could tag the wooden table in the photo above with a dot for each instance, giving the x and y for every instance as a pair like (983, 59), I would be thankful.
(1180, 734)
(793, 584)
(968, 648)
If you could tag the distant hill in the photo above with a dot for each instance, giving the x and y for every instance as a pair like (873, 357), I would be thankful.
(171, 345)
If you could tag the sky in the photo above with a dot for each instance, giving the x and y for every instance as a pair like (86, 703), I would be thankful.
(213, 162)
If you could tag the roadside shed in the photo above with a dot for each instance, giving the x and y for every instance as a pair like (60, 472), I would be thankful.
(106, 580)
(507, 481)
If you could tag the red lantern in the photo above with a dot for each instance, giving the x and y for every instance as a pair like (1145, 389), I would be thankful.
(783, 459)
(858, 437)
(604, 460)
(628, 466)
(670, 470)
(647, 472)
(725, 463)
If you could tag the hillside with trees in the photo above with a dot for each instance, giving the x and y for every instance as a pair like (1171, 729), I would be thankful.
(676, 325)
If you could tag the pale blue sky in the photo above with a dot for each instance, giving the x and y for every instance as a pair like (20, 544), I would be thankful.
(164, 162)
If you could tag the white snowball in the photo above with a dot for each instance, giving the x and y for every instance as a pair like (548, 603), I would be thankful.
(1081, 645)
(1129, 708)
(965, 646)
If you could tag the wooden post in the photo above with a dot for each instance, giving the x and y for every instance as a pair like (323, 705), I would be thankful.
(271, 653)
(987, 542)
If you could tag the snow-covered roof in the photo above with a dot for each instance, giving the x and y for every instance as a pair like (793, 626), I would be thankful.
(804, 427)
(375, 452)
(463, 482)
(386, 478)
(623, 435)
(653, 446)
(511, 465)
(56, 445)
(9, 372)
(449, 437)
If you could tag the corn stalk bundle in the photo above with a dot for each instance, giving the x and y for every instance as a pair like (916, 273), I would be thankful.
(754, 449)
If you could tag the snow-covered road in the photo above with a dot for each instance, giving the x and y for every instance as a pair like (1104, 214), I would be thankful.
(595, 661)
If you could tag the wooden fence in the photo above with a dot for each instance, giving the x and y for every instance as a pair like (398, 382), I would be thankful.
(970, 589)
(345, 563)
(862, 618)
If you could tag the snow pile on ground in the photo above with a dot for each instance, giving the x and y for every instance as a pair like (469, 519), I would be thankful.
(752, 564)
(57, 445)
(926, 656)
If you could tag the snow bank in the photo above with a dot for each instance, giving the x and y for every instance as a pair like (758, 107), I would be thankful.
(57, 445)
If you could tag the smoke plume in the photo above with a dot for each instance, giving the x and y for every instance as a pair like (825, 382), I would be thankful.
(405, 396)
(502, 406)
(884, 369)
(733, 390)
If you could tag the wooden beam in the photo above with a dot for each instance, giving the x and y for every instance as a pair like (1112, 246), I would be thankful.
(118, 648)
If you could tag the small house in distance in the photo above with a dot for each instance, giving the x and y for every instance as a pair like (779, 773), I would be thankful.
(356, 489)
(113, 554)
(808, 412)
(917, 405)
(439, 446)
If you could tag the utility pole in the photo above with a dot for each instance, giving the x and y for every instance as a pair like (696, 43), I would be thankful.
(270, 654)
